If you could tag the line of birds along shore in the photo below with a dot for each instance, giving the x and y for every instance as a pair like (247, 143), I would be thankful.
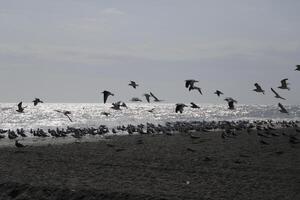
(190, 84)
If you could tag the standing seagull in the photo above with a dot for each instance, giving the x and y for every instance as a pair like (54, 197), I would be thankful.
(231, 103)
(282, 109)
(277, 95)
(147, 97)
(106, 94)
(218, 93)
(133, 84)
(66, 113)
(180, 107)
(190, 83)
(284, 84)
(297, 68)
(193, 105)
(155, 98)
(36, 101)
(20, 108)
(258, 88)
(195, 88)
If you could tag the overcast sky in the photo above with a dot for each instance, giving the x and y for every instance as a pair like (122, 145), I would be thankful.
(71, 50)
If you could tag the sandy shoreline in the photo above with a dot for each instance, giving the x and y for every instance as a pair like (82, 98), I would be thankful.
(204, 166)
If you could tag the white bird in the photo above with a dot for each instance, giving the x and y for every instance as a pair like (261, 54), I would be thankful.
(106, 94)
(282, 109)
(133, 84)
(258, 88)
(277, 95)
(284, 85)
(180, 107)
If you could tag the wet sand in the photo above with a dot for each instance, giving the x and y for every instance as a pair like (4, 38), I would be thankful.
(204, 166)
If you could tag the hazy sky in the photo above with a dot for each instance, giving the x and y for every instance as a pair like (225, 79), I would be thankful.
(71, 50)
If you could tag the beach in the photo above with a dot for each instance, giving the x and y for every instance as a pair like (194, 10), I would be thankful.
(185, 165)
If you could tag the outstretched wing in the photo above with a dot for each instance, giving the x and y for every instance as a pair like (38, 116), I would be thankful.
(282, 108)
(154, 96)
(257, 86)
(274, 92)
(20, 105)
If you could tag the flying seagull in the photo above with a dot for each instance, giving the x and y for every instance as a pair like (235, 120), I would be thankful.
(258, 88)
(284, 85)
(116, 106)
(277, 95)
(230, 102)
(66, 113)
(36, 101)
(190, 83)
(282, 109)
(193, 105)
(135, 99)
(20, 108)
(218, 93)
(155, 98)
(133, 84)
(147, 97)
(297, 68)
(195, 88)
(106, 94)
(180, 107)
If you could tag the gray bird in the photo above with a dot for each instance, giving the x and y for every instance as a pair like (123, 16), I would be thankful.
(66, 113)
(180, 107)
(190, 83)
(193, 105)
(20, 108)
(195, 88)
(36, 101)
(135, 99)
(297, 68)
(106, 94)
(133, 84)
(282, 109)
(277, 95)
(147, 97)
(284, 85)
(258, 88)
(116, 106)
(218, 93)
(155, 98)
(230, 102)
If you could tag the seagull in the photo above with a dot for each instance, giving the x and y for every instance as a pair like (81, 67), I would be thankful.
(258, 88)
(36, 101)
(218, 93)
(18, 144)
(106, 95)
(180, 107)
(155, 98)
(297, 68)
(147, 97)
(135, 99)
(195, 88)
(20, 108)
(190, 83)
(282, 109)
(133, 84)
(231, 102)
(193, 105)
(66, 113)
(123, 105)
(116, 106)
(277, 95)
(284, 85)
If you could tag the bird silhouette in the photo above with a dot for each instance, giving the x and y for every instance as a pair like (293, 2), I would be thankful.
(190, 83)
(20, 108)
(18, 144)
(116, 105)
(155, 98)
(297, 68)
(218, 93)
(258, 88)
(36, 101)
(147, 97)
(230, 102)
(106, 94)
(284, 84)
(180, 107)
(282, 109)
(133, 84)
(66, 113)
(193, 105)
(195, 88)
(277, 95)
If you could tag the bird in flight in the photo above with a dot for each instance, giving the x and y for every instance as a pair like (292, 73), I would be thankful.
(116, 106)
(193, 105)
(190, 83)
(284, 84)
(66, 113)
(20, 108)
(282, 109)
(133, 84)
(277, 95)
(135, 99)
(147, 97)
(297, 68)
(258, 88)
(218, 93)
(180, 107)
(106, 94)
(155, 98)
(230, 102)
(36, 101)
(195, 88)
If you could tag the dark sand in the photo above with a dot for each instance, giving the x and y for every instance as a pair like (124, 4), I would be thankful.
(155, 167)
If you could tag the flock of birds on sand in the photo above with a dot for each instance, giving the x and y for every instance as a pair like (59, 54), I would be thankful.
(169, 128)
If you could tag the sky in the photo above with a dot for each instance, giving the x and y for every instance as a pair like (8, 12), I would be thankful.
(72, 50)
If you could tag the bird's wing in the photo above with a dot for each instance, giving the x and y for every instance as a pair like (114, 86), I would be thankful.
(105, 96)
(147, 98)
(154, 96)
(281, 106)
(257, 86)
(283, 82)
(20, 105)
(275, 92)
(69, 118)
(187, 83)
